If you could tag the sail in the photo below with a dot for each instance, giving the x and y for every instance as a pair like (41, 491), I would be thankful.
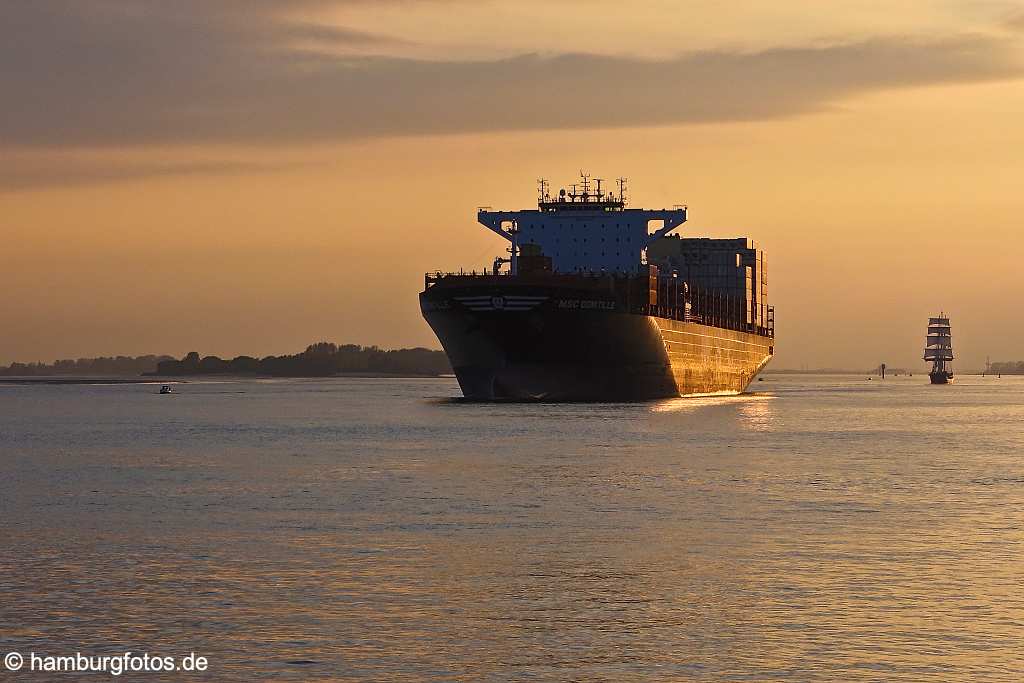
(939, 346)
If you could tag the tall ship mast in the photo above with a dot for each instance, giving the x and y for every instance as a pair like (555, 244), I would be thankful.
(939, 349)
(599, 302)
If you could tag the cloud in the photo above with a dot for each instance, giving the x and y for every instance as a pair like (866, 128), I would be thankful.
(107, 72)
(333, 35)
(33, 174)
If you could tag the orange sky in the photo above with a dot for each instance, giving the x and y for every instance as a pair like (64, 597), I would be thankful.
(246, 180)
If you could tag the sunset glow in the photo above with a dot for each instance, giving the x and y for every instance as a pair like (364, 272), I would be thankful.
(247, 177)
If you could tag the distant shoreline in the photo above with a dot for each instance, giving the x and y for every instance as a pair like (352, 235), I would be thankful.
(827, 371)
(185, 379)
(322, 359)
(874, 373)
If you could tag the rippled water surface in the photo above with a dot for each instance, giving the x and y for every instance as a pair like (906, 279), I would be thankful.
(817, 529)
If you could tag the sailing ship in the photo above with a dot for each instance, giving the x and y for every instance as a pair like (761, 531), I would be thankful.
(939, 350)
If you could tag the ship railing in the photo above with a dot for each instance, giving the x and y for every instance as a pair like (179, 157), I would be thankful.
(431, 279)
(729, 311)
(715, 309)
(710, 318)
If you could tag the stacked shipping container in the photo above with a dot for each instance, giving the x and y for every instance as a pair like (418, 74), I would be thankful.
(733, 266)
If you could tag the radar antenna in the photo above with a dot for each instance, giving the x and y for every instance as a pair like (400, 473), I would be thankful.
(622, 190)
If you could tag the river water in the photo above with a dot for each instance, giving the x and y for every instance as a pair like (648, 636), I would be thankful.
(816, 529)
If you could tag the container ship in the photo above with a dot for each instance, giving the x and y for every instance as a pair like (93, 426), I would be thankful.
(599, 302)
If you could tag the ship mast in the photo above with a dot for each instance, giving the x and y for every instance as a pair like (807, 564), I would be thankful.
(939, 348)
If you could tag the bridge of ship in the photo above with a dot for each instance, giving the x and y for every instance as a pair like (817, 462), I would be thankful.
(594, 239)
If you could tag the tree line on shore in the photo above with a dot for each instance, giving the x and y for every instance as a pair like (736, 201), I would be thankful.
(104, 366)
(1007, 368)
(322, 359)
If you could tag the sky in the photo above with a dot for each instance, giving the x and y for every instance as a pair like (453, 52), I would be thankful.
(250, 176)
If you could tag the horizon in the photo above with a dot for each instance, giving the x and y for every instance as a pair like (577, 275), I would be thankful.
(301, 164)
(771, 369)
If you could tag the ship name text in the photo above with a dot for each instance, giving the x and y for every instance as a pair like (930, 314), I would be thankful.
(585, 304)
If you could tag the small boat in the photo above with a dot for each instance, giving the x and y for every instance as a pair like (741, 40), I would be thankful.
(165, 389)
(939, 350)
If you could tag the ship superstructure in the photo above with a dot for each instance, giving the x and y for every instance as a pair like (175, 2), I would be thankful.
(939, 349)
(587, 306)
(583, 230)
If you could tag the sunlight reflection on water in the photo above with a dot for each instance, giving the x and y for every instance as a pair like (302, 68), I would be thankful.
(697, 402)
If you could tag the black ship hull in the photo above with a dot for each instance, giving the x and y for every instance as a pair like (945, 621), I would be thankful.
(941, 377)
(556, 344)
